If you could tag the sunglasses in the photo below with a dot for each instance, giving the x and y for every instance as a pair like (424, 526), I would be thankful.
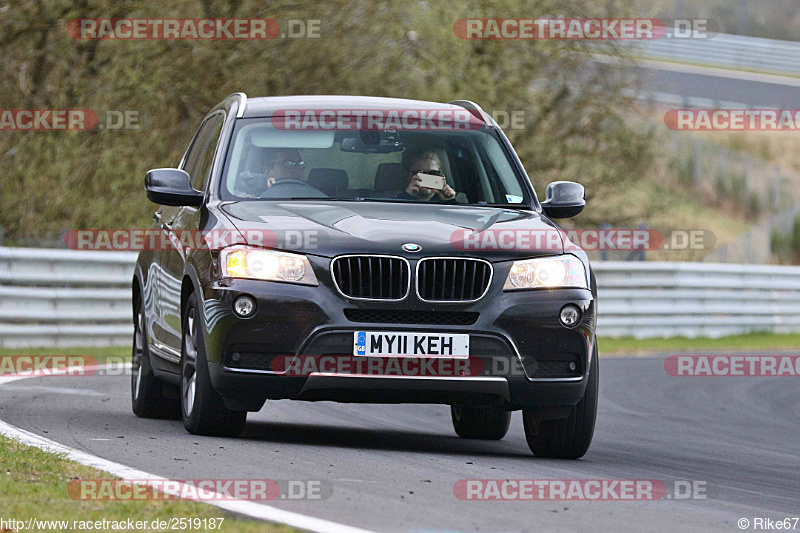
(290, 164)
(423, 171)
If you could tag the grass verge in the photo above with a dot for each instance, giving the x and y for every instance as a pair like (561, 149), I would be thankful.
(754, 342)
(33, 484)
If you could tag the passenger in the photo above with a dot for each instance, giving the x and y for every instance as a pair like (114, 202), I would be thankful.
(423, 161)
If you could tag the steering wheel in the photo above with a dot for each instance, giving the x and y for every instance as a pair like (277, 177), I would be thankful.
(290, 181)
(282, 187)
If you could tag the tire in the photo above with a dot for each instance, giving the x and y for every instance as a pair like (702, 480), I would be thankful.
(147, 391)
(478, 422)
(570, 437)
(203, 410)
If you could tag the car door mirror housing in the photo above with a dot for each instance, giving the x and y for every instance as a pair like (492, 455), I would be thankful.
(171, 186)
(564, 199)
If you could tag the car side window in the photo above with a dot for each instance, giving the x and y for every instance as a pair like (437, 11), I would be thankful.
(192, 154)
(201, 156)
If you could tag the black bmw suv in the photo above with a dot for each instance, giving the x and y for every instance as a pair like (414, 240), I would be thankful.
(360, 249)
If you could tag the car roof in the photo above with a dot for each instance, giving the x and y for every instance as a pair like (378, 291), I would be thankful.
(268, 105)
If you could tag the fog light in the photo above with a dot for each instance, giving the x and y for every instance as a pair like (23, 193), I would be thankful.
(570, 315)
(235, 357)
(244, 306)
(573, 366)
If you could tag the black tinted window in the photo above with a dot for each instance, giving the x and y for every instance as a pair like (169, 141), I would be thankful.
(200, 158)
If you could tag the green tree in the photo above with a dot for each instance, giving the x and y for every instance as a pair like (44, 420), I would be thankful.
(576, 122)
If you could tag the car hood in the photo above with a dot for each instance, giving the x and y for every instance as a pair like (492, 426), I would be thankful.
(333, 228)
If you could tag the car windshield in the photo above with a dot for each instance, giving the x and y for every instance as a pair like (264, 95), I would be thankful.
(267, 161)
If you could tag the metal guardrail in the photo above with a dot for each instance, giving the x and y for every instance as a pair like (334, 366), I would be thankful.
(70, 298)
(731, 51)
(65, 298)
(696, 299)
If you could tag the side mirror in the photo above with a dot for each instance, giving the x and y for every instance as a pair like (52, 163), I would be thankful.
(171, 186)
(563, 199)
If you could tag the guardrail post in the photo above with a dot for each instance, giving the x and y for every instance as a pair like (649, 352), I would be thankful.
(639, 254)
(603, 251)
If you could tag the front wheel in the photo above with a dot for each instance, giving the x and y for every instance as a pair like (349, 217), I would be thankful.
(480, 422)
(566, 438)
(204, 412)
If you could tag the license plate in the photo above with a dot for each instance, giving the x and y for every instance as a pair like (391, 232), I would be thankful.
(401, 344)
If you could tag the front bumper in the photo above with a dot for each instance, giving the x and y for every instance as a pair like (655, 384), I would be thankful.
(529, 360)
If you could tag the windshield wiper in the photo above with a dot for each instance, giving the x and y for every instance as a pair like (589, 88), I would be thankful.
(525, 207)
(421, 202)
(337, 198)
(397, 200)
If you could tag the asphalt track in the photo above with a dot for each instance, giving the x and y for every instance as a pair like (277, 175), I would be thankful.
(716, 85)
(393, 468)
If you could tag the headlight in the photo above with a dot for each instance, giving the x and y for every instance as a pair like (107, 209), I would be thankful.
(269, 265)
(546, 273)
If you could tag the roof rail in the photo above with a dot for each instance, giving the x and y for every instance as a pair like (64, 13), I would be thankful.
(475, 109)
(242, 103)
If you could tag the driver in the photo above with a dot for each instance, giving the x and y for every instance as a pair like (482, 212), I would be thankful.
(280, 163)
(283, 163)
(423, 161)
